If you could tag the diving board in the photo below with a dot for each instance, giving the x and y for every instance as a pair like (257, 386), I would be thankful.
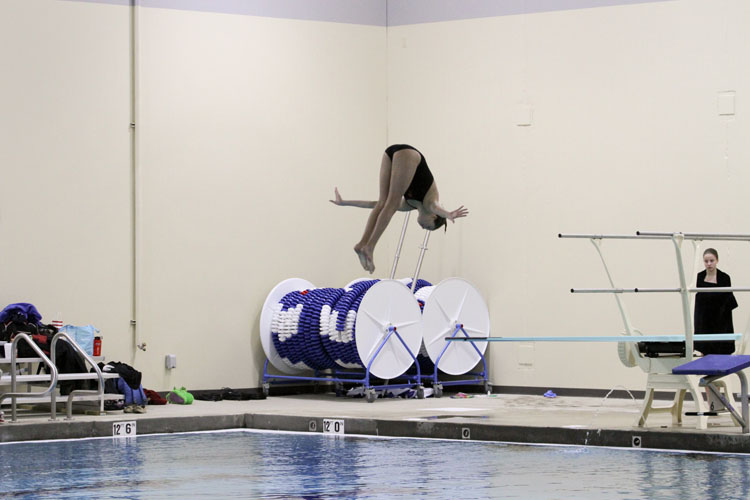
(614, 338)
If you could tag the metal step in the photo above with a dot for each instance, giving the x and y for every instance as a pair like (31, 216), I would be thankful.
(44, 377)
(30, 400)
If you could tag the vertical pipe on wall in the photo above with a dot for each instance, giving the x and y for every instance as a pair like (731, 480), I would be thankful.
(135, 173)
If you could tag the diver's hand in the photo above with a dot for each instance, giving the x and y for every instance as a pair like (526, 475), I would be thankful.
(338, 201)
(458, 213)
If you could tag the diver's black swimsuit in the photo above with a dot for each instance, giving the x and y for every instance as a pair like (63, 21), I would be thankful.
(422, 179)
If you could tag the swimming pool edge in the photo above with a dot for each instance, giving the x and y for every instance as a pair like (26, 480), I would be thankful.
(643, 438)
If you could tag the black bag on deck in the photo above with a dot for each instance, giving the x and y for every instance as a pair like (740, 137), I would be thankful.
(41, 335)
(66, 358)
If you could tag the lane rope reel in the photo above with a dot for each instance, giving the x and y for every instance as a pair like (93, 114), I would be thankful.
(304, 328)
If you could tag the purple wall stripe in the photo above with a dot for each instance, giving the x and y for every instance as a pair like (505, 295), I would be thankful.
(113, 2)
(401, 12)
(369, 12)
(374, 12)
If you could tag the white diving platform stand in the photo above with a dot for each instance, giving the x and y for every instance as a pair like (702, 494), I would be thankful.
(660, 369)
(675, 373)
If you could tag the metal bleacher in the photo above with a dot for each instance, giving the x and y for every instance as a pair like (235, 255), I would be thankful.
(19, 383)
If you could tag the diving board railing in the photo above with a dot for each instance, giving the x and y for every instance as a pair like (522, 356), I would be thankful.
(684, 290)
(659, 370)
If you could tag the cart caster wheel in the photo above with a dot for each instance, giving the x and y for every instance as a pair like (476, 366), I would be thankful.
(420, 392)
(438, 388)
(371, 395)
(266, 389)
(487, 388)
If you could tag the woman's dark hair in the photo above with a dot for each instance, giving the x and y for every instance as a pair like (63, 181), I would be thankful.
(440, 221)
(712, 251)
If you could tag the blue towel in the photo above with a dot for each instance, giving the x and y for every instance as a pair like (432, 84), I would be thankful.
(20, 311)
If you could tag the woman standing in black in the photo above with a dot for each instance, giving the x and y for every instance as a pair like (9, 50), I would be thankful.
(713, 311)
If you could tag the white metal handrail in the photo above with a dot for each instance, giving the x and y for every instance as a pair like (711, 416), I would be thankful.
(100, 377)
(400, 244)
(423, 249)
(696, 236)
(13, 395)
(609, 236)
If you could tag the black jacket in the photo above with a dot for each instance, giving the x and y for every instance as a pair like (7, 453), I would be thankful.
(713, 313)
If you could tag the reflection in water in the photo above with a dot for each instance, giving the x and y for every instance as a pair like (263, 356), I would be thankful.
(71, 469)
(679, 476)
(313, 466)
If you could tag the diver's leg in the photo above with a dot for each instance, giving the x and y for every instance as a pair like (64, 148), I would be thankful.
(385, 179)
(402, 172)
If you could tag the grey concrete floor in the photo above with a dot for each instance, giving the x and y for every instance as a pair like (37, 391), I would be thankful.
(498, 417)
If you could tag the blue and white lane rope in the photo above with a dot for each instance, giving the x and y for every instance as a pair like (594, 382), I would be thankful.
(315, 329)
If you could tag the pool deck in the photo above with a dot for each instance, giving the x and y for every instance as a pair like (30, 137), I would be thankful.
(499, 417)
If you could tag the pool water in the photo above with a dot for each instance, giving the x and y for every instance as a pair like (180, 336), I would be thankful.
(263, 465)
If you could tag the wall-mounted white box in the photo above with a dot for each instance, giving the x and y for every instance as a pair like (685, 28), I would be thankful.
(726, 103)
(170, 361)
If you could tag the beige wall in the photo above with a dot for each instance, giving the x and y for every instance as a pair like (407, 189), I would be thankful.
(245, 124)
(65, 216)
(625, 136)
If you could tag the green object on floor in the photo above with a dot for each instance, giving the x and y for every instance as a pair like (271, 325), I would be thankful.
(180, 396)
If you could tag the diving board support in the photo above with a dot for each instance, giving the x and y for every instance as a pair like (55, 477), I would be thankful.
(684, 294)
(680, 384)
(623, 314)
(659, 370)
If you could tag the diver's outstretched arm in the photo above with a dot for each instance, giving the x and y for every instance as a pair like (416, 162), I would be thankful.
(351, 203)
(404, 207)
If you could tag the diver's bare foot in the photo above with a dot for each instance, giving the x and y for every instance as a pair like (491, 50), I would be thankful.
(362, 257)
(368, 256)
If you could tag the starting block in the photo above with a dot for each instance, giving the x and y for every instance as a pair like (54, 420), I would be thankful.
(715, 366)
